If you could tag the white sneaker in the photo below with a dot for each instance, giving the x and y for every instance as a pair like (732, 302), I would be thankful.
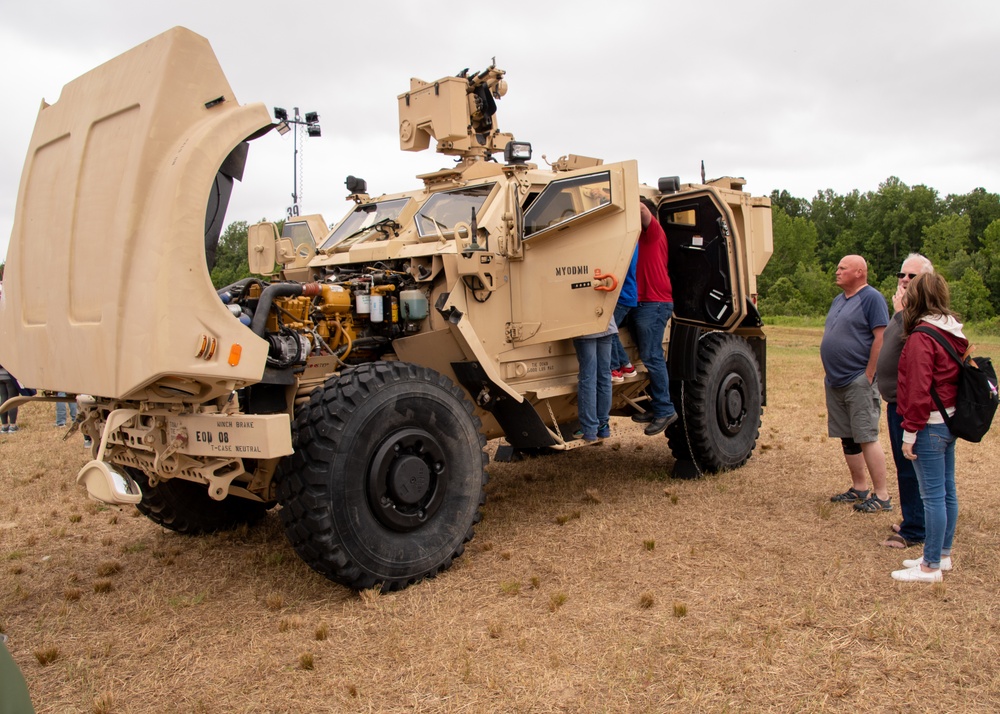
(916, 562)
(916, 575)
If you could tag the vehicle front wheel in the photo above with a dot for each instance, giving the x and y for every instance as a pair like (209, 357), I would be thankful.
(386, 482)
(185, 506)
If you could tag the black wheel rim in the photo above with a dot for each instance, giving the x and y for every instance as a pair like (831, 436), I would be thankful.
(407, 479)
(731, 404)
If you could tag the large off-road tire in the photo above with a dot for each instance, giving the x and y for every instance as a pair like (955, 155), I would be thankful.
(386, 482)
(186, 507)
(721, 407)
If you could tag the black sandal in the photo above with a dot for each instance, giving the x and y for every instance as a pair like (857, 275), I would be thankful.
(873, 504)
(850, 496)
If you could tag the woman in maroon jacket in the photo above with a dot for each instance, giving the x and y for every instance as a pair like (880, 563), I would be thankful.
(924, 364)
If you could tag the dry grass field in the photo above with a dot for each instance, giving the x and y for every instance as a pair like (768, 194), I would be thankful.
(595, 583)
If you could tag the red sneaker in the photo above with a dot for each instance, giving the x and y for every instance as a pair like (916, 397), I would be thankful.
(616, 376)
(628, 371)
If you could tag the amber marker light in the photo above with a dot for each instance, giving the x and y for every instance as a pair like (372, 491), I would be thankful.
(235, 352)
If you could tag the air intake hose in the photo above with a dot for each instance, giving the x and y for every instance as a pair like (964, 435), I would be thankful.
(279, 290)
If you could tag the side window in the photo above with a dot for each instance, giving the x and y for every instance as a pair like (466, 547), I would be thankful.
(566, 199)
(299, 233)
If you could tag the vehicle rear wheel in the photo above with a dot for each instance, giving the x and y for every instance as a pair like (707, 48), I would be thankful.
(721, 407)
(386, 482)
(186, 507)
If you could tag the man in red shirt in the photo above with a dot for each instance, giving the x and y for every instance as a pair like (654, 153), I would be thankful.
(649, 319)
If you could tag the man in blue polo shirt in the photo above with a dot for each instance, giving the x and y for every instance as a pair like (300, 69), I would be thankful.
(851, 343)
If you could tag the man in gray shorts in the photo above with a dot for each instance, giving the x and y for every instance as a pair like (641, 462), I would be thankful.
(851, 343)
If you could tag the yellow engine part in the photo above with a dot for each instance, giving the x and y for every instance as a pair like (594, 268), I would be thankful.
(294, 313)
(336, 300)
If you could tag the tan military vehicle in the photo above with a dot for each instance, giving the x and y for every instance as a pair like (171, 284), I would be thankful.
(356, 379)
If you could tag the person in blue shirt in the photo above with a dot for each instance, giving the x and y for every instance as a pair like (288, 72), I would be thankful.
(852, 340)
(621, 365)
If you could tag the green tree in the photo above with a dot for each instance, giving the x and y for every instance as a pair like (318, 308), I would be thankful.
(231, 256)
(794, 242)
(792, 206)
(982, 208)
(989, 261)
(947, 241)
(832, 215)
(970, 298)
(891, 222)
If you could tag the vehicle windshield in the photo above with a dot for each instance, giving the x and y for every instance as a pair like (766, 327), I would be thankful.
(443, 211)
(363, 217)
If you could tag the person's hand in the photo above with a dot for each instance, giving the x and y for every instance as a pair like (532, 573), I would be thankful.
(908, 452)
(897, 299)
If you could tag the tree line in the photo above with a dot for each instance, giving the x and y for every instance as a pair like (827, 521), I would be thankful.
(959, 233)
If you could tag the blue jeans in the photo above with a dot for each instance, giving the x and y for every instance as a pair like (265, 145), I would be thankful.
(61, 411)
(910, 503)
(619, 357)
(935, 466)
(594, 383)
(649, 320)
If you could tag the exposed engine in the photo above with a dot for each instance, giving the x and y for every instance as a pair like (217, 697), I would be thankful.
(352, 315)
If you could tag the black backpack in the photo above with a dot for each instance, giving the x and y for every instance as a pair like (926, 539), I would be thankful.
(977, 393)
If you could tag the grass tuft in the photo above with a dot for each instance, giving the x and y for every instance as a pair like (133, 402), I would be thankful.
(104, 704)
(646, 600)
(306, 661)
(649, 544)
(557, 600)
(322, 632)
(510, 587)
(680, 610)
(565, 518)
(274, 601)
(47, 655)
(103, 586)
(108, 568)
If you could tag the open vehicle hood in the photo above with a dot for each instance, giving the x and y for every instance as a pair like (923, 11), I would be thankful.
(106, 285)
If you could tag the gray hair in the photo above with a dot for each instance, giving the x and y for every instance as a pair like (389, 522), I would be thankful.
(926, 265)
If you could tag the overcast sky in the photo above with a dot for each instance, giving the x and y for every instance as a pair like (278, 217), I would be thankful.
(795, 95)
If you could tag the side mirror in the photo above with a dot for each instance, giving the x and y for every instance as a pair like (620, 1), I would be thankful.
(261, 238)
(669, 184)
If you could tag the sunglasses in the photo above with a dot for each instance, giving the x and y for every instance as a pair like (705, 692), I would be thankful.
(911, 276)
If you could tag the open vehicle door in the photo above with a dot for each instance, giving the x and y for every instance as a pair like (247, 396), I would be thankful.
(703, 266)
(580, 231)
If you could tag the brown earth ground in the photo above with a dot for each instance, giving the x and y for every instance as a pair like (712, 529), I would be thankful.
(594, 583)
